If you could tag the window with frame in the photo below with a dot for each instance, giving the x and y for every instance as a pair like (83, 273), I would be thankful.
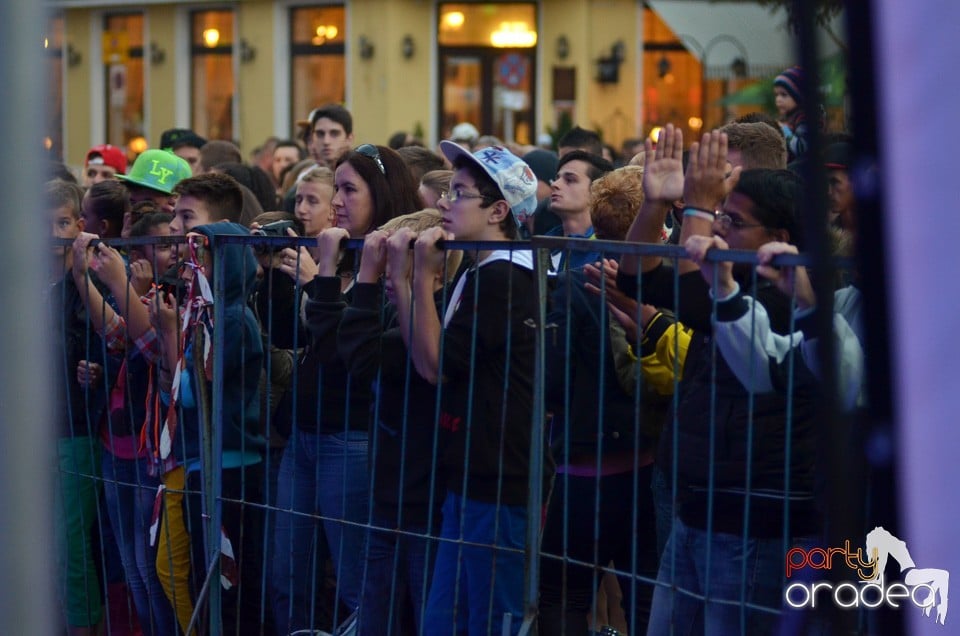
(124, 85)
(212, 76)
(318, 66)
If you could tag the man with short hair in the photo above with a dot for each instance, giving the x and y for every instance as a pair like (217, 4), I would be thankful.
(570, 200)
(286, 152)
(755, 145)
(103, 162)
(184, 143)
(331, 133)
(153, 176)
(204, 199)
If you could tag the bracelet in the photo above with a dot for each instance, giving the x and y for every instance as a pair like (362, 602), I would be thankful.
(700, 213)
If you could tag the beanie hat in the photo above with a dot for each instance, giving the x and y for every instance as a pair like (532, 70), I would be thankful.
(793, 81)
(107, 155)
(513, 176)
(158, 170)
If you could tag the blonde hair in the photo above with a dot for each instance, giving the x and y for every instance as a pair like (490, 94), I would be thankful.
(424, 220)
(317, 174)
(616, 198)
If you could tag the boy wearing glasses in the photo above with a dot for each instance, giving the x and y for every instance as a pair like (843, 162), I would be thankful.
(484, 376)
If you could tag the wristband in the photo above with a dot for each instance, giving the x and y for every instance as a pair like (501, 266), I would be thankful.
(700, 213)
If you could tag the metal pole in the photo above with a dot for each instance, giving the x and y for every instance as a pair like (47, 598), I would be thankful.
(27, 598)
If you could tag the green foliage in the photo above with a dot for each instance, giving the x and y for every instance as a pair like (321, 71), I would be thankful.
(564, 125)
(827, 10)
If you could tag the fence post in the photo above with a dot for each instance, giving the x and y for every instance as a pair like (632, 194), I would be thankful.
(535, 487)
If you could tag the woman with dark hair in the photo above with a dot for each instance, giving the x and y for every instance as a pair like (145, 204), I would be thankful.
(324, 467)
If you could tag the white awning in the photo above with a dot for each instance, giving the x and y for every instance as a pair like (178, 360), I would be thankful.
(721, 32)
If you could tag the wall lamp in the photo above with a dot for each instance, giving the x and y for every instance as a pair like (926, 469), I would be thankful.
(74, 57)
(365, 47)
(157, 55)
(563, 47)
(248, 52)
(608, 68)
(407, 47)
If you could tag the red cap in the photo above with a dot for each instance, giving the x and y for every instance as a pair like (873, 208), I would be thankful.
(107, 155)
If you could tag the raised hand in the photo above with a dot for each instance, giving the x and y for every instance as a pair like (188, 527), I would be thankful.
(429, 260)
(707, 182)
(400, 257)
(663, 169)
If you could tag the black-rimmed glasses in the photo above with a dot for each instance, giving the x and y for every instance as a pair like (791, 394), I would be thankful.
(726, 222)
(371, 152)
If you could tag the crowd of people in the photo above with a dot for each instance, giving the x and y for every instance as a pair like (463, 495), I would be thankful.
(375, 421)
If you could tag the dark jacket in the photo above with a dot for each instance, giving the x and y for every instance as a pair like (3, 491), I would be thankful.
(74, 339)
(242, 353)
(487, 370)
(581, 375)
(404, 407)
(324, 397)
(748, 435)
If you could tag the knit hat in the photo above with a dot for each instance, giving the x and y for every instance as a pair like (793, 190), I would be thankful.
(543, 163)
(158, 170)
(793, 81)
(107, 155)
(838, 156)
(513, 177)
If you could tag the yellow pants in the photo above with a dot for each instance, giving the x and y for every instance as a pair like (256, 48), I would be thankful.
(173, 548)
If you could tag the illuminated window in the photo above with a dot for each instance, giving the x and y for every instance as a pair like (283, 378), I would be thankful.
(53, 124)
(211, 53)
(487, 68)
(123, 67)
(318, 69)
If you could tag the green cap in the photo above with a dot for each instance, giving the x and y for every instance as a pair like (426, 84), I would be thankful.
(158, 170)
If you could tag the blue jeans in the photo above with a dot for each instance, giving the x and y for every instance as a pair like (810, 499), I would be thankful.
(473, 587)
(683, 568)
(320, 474)
(397, 570)
(129, 493)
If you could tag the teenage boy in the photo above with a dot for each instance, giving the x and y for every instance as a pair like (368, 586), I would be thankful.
(103, 163)
(81, 396)
(485, 373)
(331, 134)
(173, 435)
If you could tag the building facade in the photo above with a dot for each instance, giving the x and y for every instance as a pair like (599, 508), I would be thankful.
(122, 72)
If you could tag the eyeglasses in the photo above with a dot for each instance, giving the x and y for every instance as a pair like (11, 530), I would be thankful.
(371, 152)
(455, 195)
(726, 222)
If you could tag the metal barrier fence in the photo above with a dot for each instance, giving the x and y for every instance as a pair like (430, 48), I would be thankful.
(314, 471)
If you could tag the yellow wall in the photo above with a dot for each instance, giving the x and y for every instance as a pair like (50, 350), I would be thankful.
(160, 24)
(387, 92)
(255, 78)
(77, 89)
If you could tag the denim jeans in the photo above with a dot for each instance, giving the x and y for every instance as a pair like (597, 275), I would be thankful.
(129, 493)
(320, 474)
(683, 568)
(474, 587)
(397, 571)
